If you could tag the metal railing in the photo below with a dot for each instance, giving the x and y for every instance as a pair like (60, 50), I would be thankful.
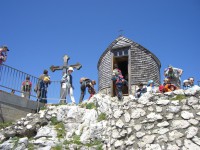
(11, 81)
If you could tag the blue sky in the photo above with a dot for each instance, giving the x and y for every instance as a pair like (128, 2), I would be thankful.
(39, 33)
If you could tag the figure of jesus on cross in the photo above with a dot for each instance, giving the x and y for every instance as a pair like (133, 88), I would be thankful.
(66, 81)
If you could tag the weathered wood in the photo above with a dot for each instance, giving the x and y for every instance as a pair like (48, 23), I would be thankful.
(143, 65)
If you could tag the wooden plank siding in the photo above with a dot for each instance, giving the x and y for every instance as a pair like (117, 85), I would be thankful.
(143, 65)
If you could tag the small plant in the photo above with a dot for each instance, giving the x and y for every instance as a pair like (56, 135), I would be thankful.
(60, 128)
(54, 121)
(43, 108)
(57, 147)
(30, 146)
(94, 143)
(75, 140)
(82, 105)
(15, 140)
(90, 106)
(178, 97)
(5, 124)
(101, 117)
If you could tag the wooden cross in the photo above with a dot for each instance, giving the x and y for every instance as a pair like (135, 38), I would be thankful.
(64, 68)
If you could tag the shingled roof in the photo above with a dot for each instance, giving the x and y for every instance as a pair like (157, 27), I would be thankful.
(121, 42)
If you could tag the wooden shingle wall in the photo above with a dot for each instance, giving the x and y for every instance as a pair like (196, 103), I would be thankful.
(105, 71)
(144, 65)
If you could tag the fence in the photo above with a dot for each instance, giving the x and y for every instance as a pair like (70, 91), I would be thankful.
(11, 80)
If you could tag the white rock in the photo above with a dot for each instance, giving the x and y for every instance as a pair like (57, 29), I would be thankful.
(129, 131)
(148, 139)
(172, 147)
(193, 121)
(179, 124)
(119, 123)
(185, 107)
(175, 135)
(127, 117)
(153, 147)
(191, 132)
(153, 116)
(196, 140)
(137, 113)
(173, 109)
(123, 133)
(140, 134)
(29, 126)
(179, 143)
(186, 115)
(118, 114)
(46, 131)
(129, 142)
(169, 116)
(163, 124)
(162, 138)
(118, 143)
(160, 130)
(179, 92)
(137, 127)
(150, 108)
(162, 102)
(192, 101)
(176, 103)
(158, 109)
(115, 134)
(190, 145)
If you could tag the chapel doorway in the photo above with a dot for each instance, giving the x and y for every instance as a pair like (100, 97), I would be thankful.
(122, 63)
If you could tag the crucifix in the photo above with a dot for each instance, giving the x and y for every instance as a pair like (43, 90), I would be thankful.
(64, 68)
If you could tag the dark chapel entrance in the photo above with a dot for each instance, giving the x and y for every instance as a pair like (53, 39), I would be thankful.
(120, 57)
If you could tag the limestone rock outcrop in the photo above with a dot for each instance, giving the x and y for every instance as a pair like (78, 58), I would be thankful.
(154, 121)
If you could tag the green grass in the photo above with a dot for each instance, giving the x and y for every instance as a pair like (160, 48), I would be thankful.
(15, 141)
(54, 121)
(90, 106)
(5, 124)
(59, 126)
(94, 143)
(30, 146)
(101, 117)
(178, 97)
(57, 147)
(76, 140)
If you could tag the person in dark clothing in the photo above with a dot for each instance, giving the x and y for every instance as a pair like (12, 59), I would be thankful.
(43, 90)
(119, 82)
(87, 83)
(38, 85)
(141, 90)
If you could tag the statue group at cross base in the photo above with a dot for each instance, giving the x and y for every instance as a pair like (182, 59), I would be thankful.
(67, 87)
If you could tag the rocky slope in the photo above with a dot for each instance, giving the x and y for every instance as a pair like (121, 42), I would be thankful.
(155, 121)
